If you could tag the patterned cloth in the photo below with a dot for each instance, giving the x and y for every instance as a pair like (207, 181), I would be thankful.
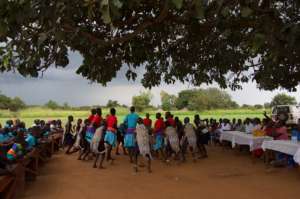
(97, 144)
(190, 135)
(172, 138)
(15, 152)
(79, 137)
(90, 134)
(143, 140)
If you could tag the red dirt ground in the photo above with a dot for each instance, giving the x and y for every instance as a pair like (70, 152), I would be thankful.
(225, 174)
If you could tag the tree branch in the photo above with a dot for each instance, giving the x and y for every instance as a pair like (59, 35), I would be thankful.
(116, 40)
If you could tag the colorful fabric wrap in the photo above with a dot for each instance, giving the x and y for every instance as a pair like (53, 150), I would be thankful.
(129, 141)
(110, 138)
(158, 141)
(90, 134)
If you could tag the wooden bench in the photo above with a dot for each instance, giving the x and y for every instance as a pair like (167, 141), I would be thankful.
(56, 139)
(6, 187)
(12, 185)
(31, 164)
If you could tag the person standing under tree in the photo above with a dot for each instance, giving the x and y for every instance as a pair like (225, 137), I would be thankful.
(159, 128)
(68, 136)
(98, 146)
(110, 136)
(97, 117)
(148, 122)
(91, 117)
(189, 139)
(143, 139)
(201, 137)
(130, 137)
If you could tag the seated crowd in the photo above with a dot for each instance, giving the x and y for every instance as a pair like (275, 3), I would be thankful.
(16, 140)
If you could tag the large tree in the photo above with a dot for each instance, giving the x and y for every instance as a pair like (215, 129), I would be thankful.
(199, 41)
(12, 104)
(204, 99)
(283, 99)
(142, 101)
(168, 101)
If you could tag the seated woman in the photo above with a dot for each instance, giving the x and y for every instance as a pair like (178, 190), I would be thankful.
(256, 125)
(17, 150)
(31, 140)
(280, 132)
(296, 131)
(240, 126)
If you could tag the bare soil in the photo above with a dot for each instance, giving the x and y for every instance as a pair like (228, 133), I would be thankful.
(225, 174)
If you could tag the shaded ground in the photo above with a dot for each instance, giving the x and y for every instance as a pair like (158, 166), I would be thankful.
(224, 174)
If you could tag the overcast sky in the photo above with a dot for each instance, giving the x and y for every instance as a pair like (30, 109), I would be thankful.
(64, 85)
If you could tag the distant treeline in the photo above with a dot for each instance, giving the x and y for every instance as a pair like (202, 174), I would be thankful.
(12, 104)
(192, 99)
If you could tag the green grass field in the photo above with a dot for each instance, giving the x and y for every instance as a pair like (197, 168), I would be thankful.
(30, 114)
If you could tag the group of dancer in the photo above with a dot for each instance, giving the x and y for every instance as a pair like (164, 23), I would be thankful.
(169, 139)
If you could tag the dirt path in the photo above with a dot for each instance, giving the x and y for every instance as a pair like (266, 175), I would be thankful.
(223, 175)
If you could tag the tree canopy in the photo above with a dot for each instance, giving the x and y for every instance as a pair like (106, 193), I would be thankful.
(112, 103)
(168, 101)
(204, 99)
(12, 104)
(283, 99)
(196, 41)
(142, 101)
(52, 105)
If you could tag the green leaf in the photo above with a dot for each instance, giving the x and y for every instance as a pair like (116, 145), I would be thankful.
(178, 3)
(104, 3)
(42, 38)
(220, 2)
(225, 12)
(105, 11)
(258, 42)
(3, 29)
(246, 11)
(117, 3)
(199, 8)
(106, 15)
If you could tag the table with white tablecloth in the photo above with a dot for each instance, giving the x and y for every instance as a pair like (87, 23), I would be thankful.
(297, 156)
(284, 146)
(240, 138)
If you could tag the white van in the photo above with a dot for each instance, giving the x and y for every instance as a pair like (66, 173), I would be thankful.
(288, 113)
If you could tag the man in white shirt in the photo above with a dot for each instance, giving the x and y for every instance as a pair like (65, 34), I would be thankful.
(225, 126)
(249, 126)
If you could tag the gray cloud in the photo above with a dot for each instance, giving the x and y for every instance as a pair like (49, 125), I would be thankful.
(64, 85)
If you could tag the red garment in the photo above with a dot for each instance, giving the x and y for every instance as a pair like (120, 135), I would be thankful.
(91, 117)
(283, 133)
(147, 122)
(258, 153)
(97, 119)
(112, 122)
(171, 121)
(159, 125)
(269, 131)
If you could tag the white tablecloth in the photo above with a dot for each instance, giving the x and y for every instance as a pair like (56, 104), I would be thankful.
(240, 138)
(284, 146)
(297, 156)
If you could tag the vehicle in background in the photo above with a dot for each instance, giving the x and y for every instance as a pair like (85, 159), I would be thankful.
(288, 113)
